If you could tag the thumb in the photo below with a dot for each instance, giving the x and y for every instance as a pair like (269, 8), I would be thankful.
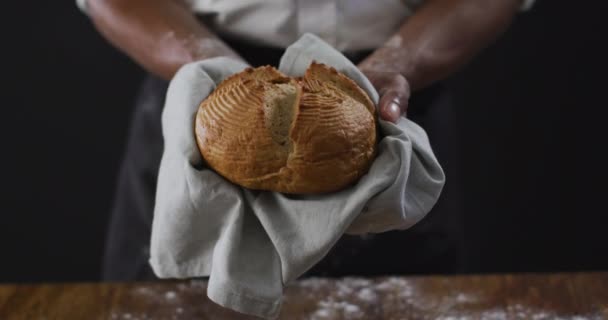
(394, 99)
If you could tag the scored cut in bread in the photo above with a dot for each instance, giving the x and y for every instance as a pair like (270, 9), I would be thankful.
(266, 131)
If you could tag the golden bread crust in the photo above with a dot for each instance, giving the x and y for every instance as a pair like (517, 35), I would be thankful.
(263, 130)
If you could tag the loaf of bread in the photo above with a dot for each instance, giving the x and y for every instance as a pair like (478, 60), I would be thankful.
(264, 130)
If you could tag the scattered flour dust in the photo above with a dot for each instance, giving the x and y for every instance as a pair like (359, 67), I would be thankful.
(130, 316)
(330, 309)
(170, 295)
(465, 298)
(154, 295)
(339, 305)
(313, 283)
(344, 289)
(528, 314)
(157, 295)
(357, 282)
(367, 295)
(353, 297)
(394, 42)
(393, 283)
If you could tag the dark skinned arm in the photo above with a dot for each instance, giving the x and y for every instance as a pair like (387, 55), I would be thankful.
(160, 35)
(436, 41)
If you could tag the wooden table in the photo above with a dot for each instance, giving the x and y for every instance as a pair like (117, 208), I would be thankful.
(576, 296)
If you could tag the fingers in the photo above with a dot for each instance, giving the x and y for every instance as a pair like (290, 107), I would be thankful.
(391, 106)
(394, 97)
(394, 91)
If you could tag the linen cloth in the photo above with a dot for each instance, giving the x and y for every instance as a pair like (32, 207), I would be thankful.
(252, 243)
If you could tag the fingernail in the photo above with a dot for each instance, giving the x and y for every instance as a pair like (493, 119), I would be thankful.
(393, 111)
(394, 108)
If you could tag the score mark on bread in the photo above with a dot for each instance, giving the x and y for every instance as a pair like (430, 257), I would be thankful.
(264, 130)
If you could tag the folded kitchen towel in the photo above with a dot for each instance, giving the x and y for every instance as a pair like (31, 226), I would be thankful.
(252, 243)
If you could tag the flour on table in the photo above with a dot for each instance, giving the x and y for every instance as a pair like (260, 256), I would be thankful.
(367, 295)
(330, 309)
(465, 298)
(313, 283)
(170, 295)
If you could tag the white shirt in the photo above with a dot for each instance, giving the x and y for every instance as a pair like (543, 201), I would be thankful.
(348, 25)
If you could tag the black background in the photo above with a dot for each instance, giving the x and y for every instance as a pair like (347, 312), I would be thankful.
(530, 110)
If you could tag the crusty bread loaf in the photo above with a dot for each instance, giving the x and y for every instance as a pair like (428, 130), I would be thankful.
(263, 130)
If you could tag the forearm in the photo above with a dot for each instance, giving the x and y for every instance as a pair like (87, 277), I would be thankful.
(160, 35)
(441, 37)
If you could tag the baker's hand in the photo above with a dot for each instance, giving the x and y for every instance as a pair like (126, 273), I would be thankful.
(394, 91)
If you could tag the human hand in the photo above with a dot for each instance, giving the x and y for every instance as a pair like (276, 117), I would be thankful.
(394, 91)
